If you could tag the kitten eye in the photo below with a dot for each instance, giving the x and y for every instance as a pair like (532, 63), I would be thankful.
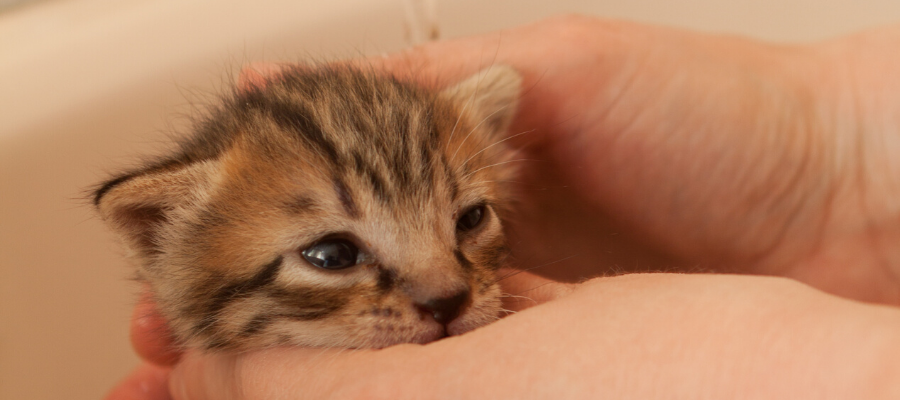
(332, 254)
(471, 219)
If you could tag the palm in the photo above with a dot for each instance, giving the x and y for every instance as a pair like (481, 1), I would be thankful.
(712, 157)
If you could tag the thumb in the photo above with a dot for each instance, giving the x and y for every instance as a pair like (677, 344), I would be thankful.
(150, 334)
(205, 376)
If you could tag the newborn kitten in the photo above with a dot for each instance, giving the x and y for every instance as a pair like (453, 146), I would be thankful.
(327, 207)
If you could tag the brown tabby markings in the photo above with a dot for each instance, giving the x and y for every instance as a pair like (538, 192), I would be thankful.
(326, 153)
(346, 200)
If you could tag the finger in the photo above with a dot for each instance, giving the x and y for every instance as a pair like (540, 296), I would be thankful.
(258, 74)
(147, 382)
(204, 376)
(523, 289)
(277, 373)
(150, 334)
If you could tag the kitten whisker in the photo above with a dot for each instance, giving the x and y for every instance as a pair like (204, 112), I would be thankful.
(330, 360)
(499, 163)
(536, 287)
(473, 131)
(322, 352)
(519, 271)
(463, 112)
(459, 117)
(492, 145)
(496, 181)
(515, 296)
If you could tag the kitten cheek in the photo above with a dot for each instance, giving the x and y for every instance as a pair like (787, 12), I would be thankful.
(384, 326)
(486, 308)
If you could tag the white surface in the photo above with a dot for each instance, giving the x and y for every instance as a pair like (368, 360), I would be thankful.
(86, 85)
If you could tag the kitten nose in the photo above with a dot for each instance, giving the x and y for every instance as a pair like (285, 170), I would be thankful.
(446, 309)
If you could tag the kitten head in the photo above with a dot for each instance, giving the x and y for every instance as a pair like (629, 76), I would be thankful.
(328, 207)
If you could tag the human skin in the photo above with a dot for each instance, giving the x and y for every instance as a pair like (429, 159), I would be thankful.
(702, 153)
(705, 336)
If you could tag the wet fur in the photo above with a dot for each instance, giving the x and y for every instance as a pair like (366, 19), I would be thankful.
(218, 226)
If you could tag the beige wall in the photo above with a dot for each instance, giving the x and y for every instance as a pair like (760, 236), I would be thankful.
(86, 85)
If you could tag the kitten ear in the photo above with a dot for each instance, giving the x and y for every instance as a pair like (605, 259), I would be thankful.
(135, 205)
(490, 97)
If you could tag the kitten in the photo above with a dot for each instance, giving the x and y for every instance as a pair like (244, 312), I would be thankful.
(329, 206)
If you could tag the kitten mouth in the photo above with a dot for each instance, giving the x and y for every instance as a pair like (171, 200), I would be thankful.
(430, 334)
(456, 328)
(443, 333)
(436, 331)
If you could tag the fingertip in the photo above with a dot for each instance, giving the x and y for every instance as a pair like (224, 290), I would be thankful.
(147, 382)
(257, 75)
(150, 334)
(433, 65)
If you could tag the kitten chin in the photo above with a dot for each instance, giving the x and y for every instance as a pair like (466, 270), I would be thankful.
(329, 206)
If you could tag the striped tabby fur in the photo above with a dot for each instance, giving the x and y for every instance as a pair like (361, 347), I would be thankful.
(314, 154)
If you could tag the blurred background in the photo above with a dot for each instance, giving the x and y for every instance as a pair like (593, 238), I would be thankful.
(86, 86)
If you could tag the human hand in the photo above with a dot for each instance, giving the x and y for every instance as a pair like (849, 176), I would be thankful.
(704, 152)
(633, 336)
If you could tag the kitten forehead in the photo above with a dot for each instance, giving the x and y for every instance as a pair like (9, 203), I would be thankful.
(371, 137)
(343, 146)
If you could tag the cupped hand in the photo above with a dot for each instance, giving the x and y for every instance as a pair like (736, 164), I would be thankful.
(633, 336)
(659, 149)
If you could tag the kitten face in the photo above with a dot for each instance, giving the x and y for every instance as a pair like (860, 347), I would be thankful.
(331, 207)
